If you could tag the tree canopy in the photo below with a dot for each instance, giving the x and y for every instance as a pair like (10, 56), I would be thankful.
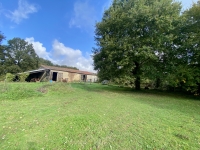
(191, 32)
(148, 39)
(134, 35)
(20, 56)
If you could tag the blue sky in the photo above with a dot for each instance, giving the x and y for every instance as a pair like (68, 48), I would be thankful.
(60, 31)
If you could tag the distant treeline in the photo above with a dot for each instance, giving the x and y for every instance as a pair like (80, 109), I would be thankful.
(20, 56)
(49, 63)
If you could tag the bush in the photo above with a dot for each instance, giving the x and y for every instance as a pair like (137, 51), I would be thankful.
(9, 77)
(22, 76)
(2, 77)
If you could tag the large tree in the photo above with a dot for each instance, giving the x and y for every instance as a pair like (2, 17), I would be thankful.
(135, 35)
(20, 56)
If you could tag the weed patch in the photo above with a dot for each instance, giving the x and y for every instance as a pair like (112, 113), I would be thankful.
(14, 91)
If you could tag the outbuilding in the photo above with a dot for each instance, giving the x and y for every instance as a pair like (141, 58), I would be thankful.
(60, 74)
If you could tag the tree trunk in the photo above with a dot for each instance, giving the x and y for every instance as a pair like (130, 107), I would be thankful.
(158, 81)
(137, 83)
(137, 75)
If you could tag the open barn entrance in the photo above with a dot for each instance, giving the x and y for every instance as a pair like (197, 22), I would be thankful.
(83, 77)
(54, 77)
(36, 75)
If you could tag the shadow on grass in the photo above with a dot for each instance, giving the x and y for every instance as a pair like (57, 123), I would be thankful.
(155, 98)
(184, 103)
(95, 87)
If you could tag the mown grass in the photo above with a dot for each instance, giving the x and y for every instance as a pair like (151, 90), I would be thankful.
(84, 116)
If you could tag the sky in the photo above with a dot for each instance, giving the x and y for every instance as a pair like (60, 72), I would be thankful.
(60, 31)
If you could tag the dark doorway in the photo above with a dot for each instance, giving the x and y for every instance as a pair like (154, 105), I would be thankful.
(84, 77)
(54, 78)
(36, 76)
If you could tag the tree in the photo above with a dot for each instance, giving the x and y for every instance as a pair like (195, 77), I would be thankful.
(192, 32)
(2, 56)
(133, 36)
(191, 44)
(182, 64)
(20, 56)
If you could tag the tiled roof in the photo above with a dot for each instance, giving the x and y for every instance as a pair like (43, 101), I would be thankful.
(67, 70)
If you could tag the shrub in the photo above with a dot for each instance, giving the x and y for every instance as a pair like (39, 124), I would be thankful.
(2, 77)
(9, 77)
(22, 76)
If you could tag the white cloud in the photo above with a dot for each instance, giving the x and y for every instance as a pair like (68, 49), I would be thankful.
(62, 55)
(39, 48)
(22, 12)
(61, 50)
(84, 16)
(67, 56)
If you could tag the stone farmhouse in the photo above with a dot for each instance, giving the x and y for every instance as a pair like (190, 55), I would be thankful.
(59, 74)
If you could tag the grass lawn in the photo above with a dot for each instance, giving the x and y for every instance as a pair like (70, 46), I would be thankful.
(84, 116)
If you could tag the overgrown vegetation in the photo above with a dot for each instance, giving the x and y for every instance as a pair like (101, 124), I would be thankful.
(95, 116)
(16, 91)
(22, 76)
(9, 77)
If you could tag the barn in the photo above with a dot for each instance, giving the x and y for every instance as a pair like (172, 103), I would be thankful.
(60, 74)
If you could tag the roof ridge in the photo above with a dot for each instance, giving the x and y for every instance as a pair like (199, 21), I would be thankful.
(66, 69)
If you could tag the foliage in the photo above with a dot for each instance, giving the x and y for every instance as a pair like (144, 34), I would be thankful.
(2, 77)
(189, 49)
(139, 40)
(9, 77)
(22, 76)
(20, 56)
(134, 35)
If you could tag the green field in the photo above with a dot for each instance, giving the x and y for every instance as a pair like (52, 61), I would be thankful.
(83, 116)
